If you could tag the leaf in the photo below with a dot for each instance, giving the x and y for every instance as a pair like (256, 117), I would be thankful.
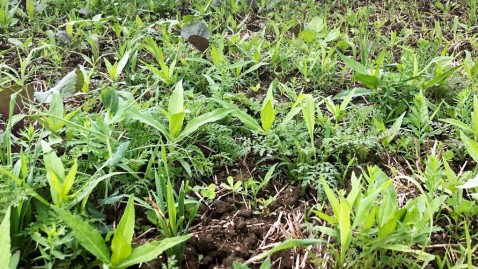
(316, 24)
(356, 66)
(135, 114)
(110, 100)
(120, 249)
(123, 236)
(175, 124)
(69, 180)
(308, 112)
(290, 243)
(440, 77)
(199, 121)
(357, 93)
(87, 236)
(67, 87)
(119, 154)
(176, 100)
(344, 227)
(470, 184)
(458, 124)
(392, 132)
(5, 240)
(150, 251)
(122, 64)
(307, 36)
(471, 146)
(367, 80)
(267, 116)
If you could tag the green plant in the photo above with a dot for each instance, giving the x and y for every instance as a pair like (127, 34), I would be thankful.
(7, 260)
(123, 255)
(172, 212)
(176, 114)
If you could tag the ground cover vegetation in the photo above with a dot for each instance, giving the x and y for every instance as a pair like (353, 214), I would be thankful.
(238, 134)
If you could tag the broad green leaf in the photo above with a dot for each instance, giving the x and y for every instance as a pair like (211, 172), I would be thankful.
(346, 101)
(470, 184)
(334, 202)
(199, 121)
(266, 264)
(356, 66)
(176, 124)
(150, 251)
(440, 77)
(344, 227)
(316, 24)
(357, 93)
(307, 36)
(392, 132)
(471, 146)
(135, 114)
(267, 116)
(367, 80)
(126, 224)
(87, 236)
(295, 109)
(5, 240)
(122, 64)
(118, 155)
(110, 100)
(120, 249)
(308, 112)
(474, 117)
(421, 255)
(176, 100)
(69, 180)
(458, 124)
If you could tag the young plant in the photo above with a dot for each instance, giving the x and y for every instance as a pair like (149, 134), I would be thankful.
(471, 144)
(166, 73)
(267, 113)
(120, 254)
(176, 114)
(172, 212)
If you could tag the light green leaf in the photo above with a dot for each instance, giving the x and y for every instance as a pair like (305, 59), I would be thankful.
(356, 66)
(135, 114)
(316, 24)
(69, 180)
(471, 146)
(120, 249)
(199, 121)
(470, 184)
(344, 227)
(267, 116)
(176, 124)
(150, 251)
(118, 155)
(176, 100)
(87, 236)
(458, 124)
(440, 77)
(5, 240)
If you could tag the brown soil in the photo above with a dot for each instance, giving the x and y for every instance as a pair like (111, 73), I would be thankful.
(230, 231)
